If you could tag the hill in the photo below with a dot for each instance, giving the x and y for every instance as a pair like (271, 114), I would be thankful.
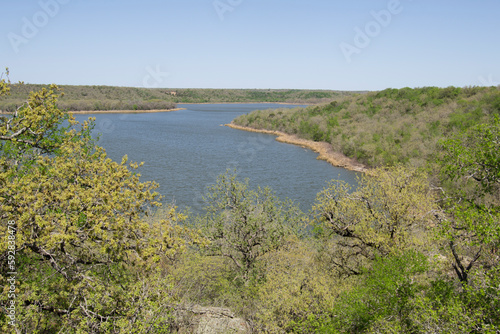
(388, 127)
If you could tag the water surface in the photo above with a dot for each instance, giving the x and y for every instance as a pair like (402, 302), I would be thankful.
(184, 151)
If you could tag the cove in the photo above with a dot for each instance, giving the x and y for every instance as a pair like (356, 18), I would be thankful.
(185, 150)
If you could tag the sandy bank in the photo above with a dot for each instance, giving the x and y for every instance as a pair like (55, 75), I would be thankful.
(324, 149)
(123, 111)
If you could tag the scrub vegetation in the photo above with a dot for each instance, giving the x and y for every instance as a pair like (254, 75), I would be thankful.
(386, 128)
(93, 251)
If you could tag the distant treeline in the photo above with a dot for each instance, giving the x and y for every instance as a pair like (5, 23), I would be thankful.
(257, 95)
(91, 98)
(388, 127)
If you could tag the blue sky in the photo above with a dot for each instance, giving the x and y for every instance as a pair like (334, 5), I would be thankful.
(303, 44)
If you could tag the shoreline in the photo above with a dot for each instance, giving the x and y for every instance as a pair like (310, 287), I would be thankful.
(324, 149)
(83, 112)
(165, 110)
(123, 111)
(284, 103)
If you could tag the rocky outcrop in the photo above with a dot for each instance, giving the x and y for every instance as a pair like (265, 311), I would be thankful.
(209, 320)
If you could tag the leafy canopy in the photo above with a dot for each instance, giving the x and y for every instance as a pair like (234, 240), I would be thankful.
(244, 224)
(390, 210)
(87, 257)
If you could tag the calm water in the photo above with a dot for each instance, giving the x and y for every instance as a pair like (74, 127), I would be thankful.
(184, 151)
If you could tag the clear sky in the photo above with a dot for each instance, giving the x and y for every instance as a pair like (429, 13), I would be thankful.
(304, 44)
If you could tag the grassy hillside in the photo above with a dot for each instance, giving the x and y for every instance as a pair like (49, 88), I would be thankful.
(131, 98)
(387, 127)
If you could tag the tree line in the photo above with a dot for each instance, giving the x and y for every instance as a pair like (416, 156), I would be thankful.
(95, 98)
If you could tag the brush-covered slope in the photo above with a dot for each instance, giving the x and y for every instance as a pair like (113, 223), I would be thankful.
(387, 127)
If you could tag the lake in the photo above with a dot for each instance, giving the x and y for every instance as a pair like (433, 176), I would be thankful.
(184, 151)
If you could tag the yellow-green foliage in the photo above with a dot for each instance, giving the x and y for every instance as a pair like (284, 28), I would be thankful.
(93, 253)
(471, 176)
(243, 224)
(390, 210)
(296, 292)
(4, 86)
(85, 257)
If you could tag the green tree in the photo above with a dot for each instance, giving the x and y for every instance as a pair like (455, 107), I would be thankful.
(380, 301)
(441, 308)
(471, 171)
(298, 291)
(390, 210)
(243, 224)
(474, 155)
(470, 176)
(86, 259)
